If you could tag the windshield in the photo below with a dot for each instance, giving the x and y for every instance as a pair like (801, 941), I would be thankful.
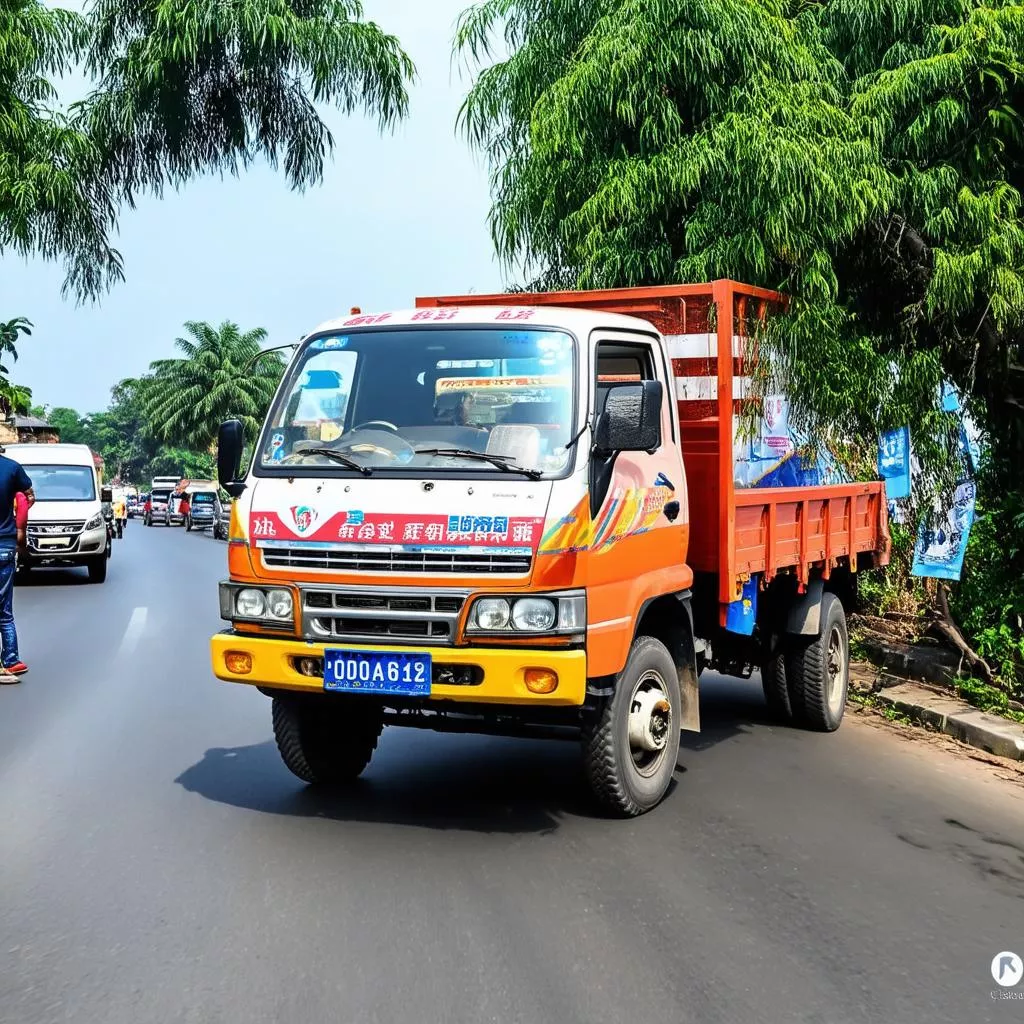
(385, 399)
(62, 483)
(202, 499)
(161, 495)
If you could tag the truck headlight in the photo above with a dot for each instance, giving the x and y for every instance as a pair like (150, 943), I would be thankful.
(533, 614)
(272, 606)
(551, 614)
(279, 604)
(491, 613)
(96, 522)
(250, 603)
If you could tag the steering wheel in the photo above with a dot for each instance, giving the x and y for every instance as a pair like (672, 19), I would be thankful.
(377, 423)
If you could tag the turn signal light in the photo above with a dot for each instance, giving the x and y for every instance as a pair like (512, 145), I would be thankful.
(238, 662)
(541, 680)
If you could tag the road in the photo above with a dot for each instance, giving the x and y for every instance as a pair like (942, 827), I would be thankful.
(159, 864)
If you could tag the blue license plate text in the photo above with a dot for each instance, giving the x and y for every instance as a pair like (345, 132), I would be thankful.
(383, 672)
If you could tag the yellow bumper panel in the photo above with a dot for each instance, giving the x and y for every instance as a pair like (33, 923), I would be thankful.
(274, 665)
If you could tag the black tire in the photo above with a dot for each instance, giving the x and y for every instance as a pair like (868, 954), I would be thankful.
(618, 777)
(818, 670)
(326, 741)
(98, 569)
(775, 682)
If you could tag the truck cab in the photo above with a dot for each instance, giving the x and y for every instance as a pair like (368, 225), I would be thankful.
(477, 517)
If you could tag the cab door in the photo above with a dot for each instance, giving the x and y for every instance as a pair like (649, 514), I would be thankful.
(638, 506)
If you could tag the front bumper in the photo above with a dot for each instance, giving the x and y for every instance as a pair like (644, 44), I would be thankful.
(273, 666)
(83, 547)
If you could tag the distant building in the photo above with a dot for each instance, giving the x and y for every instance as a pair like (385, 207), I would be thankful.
(33, 430)
(27, 430)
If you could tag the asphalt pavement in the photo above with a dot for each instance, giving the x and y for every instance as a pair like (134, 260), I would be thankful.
(159, 864)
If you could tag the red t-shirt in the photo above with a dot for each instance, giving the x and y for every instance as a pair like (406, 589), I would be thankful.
(20, 510)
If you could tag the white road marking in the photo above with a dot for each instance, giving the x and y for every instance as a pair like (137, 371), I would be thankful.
(132, 632)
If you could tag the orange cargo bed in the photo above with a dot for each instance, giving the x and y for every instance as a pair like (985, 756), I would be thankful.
(734, 531)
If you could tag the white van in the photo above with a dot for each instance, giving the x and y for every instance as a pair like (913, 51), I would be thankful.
(66, 525)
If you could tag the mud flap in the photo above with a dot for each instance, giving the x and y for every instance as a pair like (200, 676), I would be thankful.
(804, 617)
(689, 693)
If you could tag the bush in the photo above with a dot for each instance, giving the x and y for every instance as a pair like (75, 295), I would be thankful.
(989, 602)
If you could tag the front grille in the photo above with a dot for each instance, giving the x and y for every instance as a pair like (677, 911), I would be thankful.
(463, 562)
(64, 527)
(396, 617)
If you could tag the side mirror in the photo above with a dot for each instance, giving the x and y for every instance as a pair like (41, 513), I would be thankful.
(106, 494)
(230, 441)
(631, 421)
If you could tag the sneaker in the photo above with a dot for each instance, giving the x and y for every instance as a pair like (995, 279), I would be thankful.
(8, 677)
(19, 668)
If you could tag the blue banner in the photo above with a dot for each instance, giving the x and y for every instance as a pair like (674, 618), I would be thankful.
(942, 540)
(950, 398)
(894, 462)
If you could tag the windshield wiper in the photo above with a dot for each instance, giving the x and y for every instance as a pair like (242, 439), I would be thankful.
(503, 462)
(331, 453)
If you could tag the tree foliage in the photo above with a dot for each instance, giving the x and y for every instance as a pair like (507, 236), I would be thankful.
(179, 89)
(863, 155)
(53, 201)
(187, 88)
(222, 375)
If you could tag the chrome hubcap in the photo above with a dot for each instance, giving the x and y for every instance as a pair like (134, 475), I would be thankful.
(835, 666)
(650, 723)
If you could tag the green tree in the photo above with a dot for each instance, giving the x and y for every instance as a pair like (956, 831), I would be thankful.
(72, 427)
(169, 460)
(865, 156)
(222, 375)
(178, 90)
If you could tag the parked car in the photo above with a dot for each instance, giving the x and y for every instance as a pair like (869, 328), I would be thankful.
(222, 524)
(156, 508)
(202, 510)
(175, 514)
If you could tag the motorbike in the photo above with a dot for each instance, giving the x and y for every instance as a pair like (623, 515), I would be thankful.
(113, 525)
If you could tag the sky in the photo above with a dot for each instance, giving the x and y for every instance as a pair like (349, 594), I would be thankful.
(396, 216)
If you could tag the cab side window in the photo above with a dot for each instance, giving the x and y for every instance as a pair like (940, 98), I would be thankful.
(620, 362)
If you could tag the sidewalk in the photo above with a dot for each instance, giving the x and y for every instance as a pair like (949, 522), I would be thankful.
(925, 705)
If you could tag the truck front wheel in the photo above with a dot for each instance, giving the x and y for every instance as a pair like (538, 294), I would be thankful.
(630, 749)
(818, 670)
(326, 740)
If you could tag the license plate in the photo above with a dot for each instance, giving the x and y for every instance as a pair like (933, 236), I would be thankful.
(404, 674)
(53, 542)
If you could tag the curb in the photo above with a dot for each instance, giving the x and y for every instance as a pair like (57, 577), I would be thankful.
(955, 718)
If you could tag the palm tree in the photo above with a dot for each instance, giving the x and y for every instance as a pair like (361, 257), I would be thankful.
(10, 333)
(222, 376)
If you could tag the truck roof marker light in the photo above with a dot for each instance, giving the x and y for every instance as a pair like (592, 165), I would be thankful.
(540, 680)
(354, 311)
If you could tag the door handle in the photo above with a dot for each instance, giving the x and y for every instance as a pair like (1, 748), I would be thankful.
(671, 510)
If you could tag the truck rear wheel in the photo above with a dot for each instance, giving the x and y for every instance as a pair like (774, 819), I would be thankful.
(818, 670)
(775, 683)
(630, 751)
(326, 740)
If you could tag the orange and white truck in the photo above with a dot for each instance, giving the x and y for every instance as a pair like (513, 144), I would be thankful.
(525, 514)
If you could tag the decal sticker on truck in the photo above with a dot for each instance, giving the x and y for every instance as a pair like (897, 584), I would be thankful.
(358, 527)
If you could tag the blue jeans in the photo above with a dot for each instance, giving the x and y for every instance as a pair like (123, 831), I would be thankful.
(8, 634)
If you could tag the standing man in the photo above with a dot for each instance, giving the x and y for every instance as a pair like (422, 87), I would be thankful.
(13, 481)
